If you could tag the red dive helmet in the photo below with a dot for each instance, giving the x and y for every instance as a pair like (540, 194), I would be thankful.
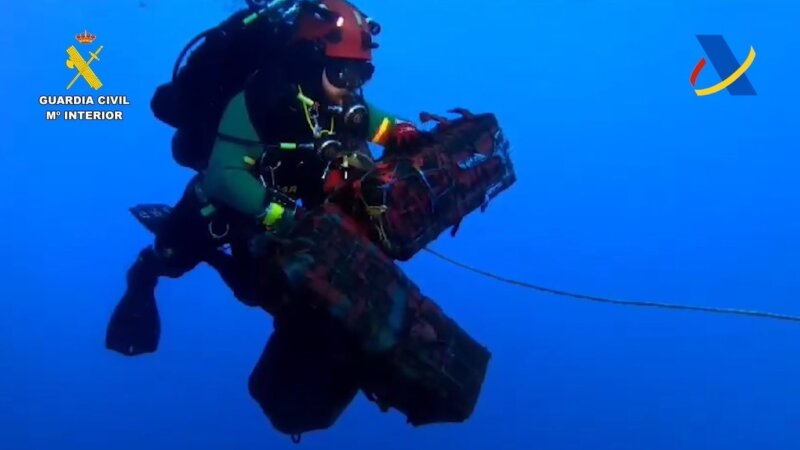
(345, 35)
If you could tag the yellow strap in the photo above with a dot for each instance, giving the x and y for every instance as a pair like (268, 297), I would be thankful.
(383, 132)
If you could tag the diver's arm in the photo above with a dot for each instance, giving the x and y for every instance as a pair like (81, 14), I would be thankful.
(229, 179)
(381, 125)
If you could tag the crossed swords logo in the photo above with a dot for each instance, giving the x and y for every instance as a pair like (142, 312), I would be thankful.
(76, 61)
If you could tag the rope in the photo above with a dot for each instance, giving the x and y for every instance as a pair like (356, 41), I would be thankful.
(641, 304)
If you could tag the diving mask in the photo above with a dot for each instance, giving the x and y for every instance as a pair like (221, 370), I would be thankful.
(348, 74)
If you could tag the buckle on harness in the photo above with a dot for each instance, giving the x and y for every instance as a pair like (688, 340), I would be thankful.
(216, 235)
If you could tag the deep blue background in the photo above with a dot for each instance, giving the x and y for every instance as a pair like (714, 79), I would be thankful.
(629, 186)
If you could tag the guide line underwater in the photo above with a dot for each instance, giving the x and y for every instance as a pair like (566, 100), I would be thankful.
(635, 303)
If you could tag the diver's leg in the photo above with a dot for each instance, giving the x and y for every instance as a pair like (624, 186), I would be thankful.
(135, 326)
(236, 273)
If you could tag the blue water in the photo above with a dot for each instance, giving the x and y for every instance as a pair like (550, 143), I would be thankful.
(629, 186)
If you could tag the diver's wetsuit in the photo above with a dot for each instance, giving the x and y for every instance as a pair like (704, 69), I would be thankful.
(267, 111)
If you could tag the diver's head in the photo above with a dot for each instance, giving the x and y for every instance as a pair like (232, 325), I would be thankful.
(343, 36)
(341, 78)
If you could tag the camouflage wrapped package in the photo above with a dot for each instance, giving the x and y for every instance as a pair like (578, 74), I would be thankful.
(413, 357)
(417, 192)
(307, 375)
(338, 264)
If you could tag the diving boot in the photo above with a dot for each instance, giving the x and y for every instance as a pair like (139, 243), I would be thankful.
(135, 325)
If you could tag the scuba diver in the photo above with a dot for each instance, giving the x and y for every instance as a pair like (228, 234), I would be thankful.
(269, 111)
(294, 110)
(288, 86)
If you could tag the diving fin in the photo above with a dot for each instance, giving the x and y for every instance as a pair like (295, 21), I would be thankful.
(135, 327)
(135, 324)
(151, 215)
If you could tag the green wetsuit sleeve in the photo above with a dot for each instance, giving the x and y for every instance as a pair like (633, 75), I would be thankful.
(380, 124)
(228, 178)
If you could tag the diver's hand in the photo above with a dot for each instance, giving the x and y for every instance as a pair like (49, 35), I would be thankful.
(276, 232)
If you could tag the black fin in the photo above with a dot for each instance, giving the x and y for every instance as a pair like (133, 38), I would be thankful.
(135, 325)
(151, 215)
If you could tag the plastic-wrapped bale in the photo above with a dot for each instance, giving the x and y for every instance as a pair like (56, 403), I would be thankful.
(414, 194)
(306, 377)
(416, 359)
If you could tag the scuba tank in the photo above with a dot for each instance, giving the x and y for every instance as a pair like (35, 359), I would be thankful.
(217, 63)
(213, 67)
